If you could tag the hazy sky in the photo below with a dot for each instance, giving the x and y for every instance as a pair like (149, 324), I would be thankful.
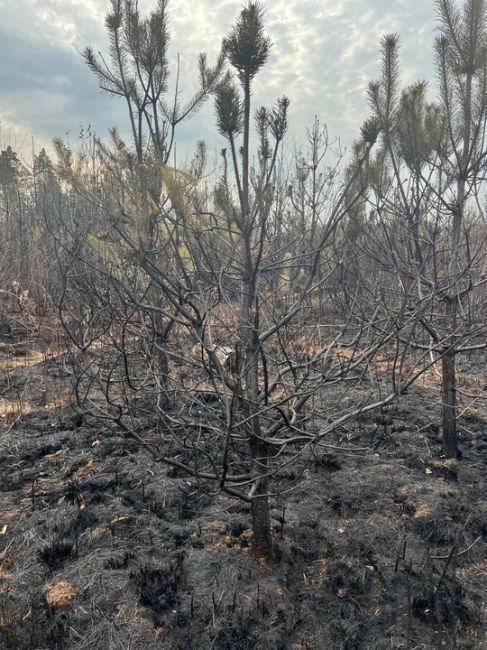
(324, 53)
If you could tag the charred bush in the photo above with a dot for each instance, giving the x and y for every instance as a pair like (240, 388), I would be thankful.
(72, 527)
(238, 633)
(236, 528)
(329, 462)
(65, 536)
(95, 491)
(39, 630)
(72, 493)
(56, 551)
(349, 580)
(351, 634)
(43, 450)
(157, 587)
(119, 561)
(180, 536)
(442, 526)
(448, 604)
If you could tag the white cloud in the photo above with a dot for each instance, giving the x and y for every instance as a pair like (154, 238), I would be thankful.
(323, 56)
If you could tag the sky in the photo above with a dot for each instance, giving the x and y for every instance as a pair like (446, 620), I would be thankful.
(324, 53)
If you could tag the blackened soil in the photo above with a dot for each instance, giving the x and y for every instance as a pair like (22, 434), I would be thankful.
(103, 548)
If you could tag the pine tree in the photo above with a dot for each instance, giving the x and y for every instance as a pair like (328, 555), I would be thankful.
(137, 69)
(247, 48)
(435, 151)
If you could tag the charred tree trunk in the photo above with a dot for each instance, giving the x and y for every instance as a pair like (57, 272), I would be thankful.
(449, 402)
(249, 335)
(161, 359)
(449, 382)
(261, 520)
(162, 362)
